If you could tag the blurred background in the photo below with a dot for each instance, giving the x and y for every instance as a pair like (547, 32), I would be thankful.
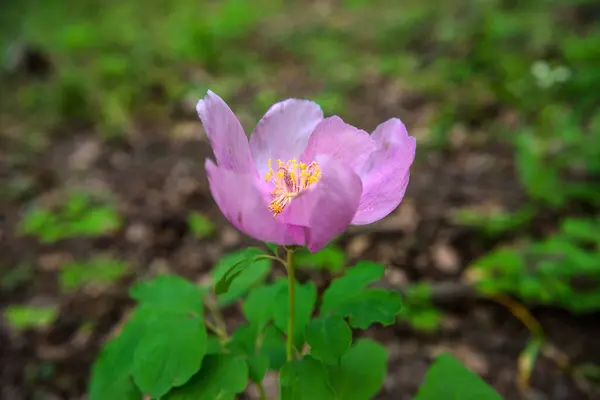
(496, 246)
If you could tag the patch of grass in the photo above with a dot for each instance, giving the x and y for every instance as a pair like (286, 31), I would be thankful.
(80, 216)
(23, 317)
(15, 277)
(98, 272)
(201, 226)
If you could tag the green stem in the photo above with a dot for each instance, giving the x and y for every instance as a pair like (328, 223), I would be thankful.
(213, 307)
(291, 303)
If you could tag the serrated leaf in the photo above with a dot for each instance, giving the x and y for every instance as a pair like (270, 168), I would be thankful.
(365, 362)
(370, 306)
(329, 338)
(258, 306)
(221, 377)
(174, 341)
(447, 378)
(110, 378)
(252, 271)
(305, 379)
(111, 373)
(306, 297)
(345, 287)
(169, 293)
(170, 352)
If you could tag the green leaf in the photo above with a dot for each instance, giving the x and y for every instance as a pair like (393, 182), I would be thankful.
(26, 317)
(222, 286)
(273, 346)
(329, 338)
(213, 345)
(111, 373)
(306, 297)
(174, 341)
(251, 272)
(355, 278)
(243, 340)
(257, 367)
(221, 377)
(370, 306)
(170, 352)
(169, 293)
(305, 379)
(258, 306)
(110, 378)
(330, 258)
(365, 362)
(447, 378)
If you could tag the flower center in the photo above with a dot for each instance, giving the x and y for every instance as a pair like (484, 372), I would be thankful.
(290, 179)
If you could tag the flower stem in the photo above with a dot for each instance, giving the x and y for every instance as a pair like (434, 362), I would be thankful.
(291, 302)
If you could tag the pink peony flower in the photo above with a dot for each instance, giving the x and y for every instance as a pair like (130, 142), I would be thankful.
(301, 179)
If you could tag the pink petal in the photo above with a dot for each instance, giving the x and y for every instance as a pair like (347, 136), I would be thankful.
(283, 132)
(327, 208)
(343, 142)
(386, 173)
(225, 133)
(243, 204)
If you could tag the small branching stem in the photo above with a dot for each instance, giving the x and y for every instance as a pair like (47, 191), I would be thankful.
(289, 264)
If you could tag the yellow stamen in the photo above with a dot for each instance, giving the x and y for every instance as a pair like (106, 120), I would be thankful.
(290, 179)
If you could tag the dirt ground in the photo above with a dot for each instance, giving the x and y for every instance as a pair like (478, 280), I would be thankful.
(158, 177)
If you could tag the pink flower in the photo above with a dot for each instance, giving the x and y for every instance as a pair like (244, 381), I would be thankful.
(301, 179)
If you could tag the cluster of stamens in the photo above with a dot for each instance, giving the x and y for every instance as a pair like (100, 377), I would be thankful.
(290, 179)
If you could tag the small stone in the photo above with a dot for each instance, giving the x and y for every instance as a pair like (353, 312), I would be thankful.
(188, 131)
(450, 323)
(230, 237)
(358, 245)
(138, 233)
(85, 154)
(474, 360)
(270, 385)
(396, 277)
(445, 258)
(407, 216)
(54, 261)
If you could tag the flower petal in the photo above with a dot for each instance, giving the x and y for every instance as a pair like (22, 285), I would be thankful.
(327, 208)
(225, 133)
(386, 173)
(341, 141)
(243, 204)
(283, 131)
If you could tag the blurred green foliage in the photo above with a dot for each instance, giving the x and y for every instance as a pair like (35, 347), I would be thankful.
(200, 225)
(476, 63)
(22, 317)
(99, 271)
(560, 270)
(81, 215)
